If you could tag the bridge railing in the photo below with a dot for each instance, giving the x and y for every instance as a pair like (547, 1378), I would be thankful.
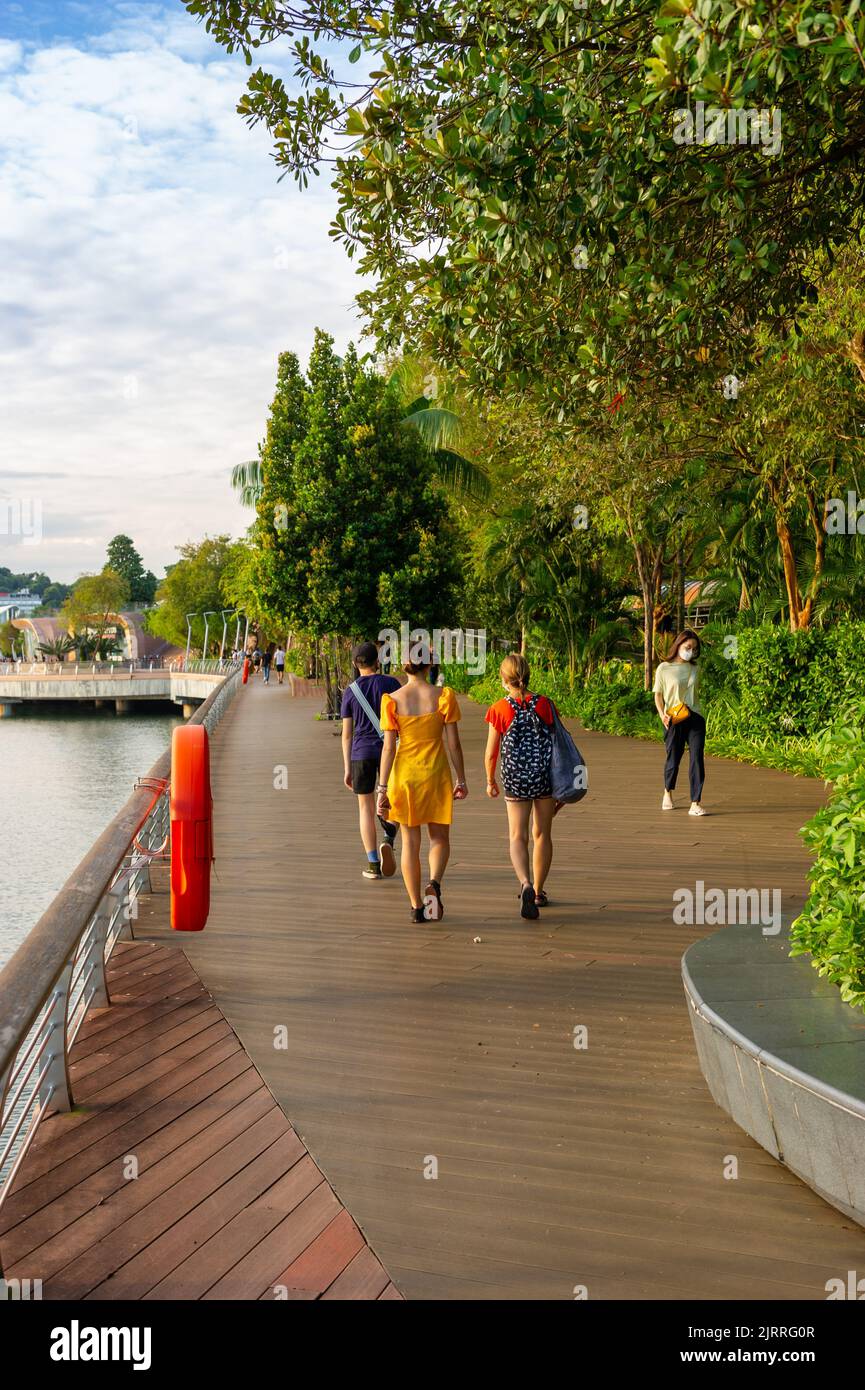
(58, 972)
(80, 668)
(212, 666)
(70, 670)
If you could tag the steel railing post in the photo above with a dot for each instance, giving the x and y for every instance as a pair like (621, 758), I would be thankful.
(95, 960)
(55, 1092)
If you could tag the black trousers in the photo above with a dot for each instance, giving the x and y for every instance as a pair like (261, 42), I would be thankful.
(691, 731)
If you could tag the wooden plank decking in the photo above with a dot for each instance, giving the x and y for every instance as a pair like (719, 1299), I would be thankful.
(395, 1051)
(178, 1175)
(556, 1167)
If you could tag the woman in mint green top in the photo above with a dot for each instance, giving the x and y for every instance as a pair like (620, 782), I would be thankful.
(676, 681)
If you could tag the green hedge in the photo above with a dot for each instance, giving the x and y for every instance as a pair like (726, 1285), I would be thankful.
(768, 693)
(832, 926)
(800, 682)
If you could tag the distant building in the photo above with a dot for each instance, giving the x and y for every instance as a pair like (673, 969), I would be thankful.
(699, 601)
(17, 604)
(127, 629)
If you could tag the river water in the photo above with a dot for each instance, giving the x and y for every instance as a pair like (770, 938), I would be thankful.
(63, 777)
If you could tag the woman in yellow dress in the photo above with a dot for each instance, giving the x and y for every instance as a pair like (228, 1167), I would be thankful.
(415, 786)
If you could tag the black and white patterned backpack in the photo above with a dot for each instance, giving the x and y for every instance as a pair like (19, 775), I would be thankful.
(526, 752)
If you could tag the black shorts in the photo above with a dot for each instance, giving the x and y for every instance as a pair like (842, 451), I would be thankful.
(364, 775)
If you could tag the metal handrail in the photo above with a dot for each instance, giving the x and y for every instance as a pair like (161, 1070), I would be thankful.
(50, 667)
(212, 666)
(119, 669)
(58, 972)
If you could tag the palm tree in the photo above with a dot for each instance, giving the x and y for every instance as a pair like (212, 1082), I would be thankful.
(94, 648)
(58, 648)
(247, 481)
(440, 427)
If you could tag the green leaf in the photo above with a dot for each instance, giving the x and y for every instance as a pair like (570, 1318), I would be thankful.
(356, 123)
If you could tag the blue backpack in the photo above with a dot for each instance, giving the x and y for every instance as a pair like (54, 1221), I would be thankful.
(569, 775)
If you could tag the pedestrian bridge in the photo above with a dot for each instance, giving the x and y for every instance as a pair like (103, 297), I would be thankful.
(322, 1100)
(122, 685)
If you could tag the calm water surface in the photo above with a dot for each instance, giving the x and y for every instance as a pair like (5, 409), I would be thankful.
(63, 777)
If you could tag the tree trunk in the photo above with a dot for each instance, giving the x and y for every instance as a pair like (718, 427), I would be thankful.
(647, 589)
(648, 636)
(791, 578)
(680, 588)
(818, 522)
(856, 352)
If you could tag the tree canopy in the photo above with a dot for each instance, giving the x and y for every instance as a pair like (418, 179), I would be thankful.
(539, 196)
(194, 585)
(352, 529)
(91, 606)
(125, 560)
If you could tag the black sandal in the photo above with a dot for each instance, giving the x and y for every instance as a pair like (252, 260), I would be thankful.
(433, 890)
(528, 906)
(417, 914)
(541, 898)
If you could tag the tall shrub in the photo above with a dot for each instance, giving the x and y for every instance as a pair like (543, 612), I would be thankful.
(832, 926)
(800, 682)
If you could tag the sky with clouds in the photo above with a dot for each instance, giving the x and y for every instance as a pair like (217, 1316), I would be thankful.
(151, 270)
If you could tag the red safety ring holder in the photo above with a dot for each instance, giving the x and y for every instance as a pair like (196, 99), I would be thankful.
(191, 828)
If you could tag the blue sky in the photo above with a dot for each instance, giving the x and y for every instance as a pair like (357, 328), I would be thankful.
(151, 269)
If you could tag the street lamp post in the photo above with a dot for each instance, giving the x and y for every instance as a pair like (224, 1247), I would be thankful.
(189, 618)
(207, 615)
(226, 614)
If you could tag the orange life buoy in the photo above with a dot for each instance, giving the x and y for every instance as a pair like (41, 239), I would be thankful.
(245, 676)
(191, 828)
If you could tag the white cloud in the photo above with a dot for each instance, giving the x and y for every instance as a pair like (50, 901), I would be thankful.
(10, 54)
(152, 271)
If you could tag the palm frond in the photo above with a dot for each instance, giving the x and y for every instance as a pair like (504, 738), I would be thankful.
(461, 476)
(437, 427)
(248, 481)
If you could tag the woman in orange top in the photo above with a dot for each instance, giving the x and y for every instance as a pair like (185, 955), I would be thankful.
(520, 727)
(415, 786)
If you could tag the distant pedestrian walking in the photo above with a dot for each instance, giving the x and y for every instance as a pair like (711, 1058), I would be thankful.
(266, 662)
(520, 731)
(279, 663)
(676, 701)
(416, 787)
(362, 745)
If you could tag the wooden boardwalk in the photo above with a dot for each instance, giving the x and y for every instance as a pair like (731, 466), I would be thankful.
(436, 1126)
(398, 1051)
(178, 1175)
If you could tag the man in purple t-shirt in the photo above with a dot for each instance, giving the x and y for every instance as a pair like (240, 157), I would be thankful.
(361, 753)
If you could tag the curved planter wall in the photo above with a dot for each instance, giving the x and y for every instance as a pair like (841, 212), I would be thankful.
(783, 1056)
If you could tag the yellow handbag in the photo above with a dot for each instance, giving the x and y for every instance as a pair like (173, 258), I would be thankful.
(678, 713)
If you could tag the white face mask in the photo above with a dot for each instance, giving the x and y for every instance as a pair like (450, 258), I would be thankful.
(686, 653)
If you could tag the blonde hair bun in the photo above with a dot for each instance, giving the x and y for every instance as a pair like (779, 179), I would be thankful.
(515, 670)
